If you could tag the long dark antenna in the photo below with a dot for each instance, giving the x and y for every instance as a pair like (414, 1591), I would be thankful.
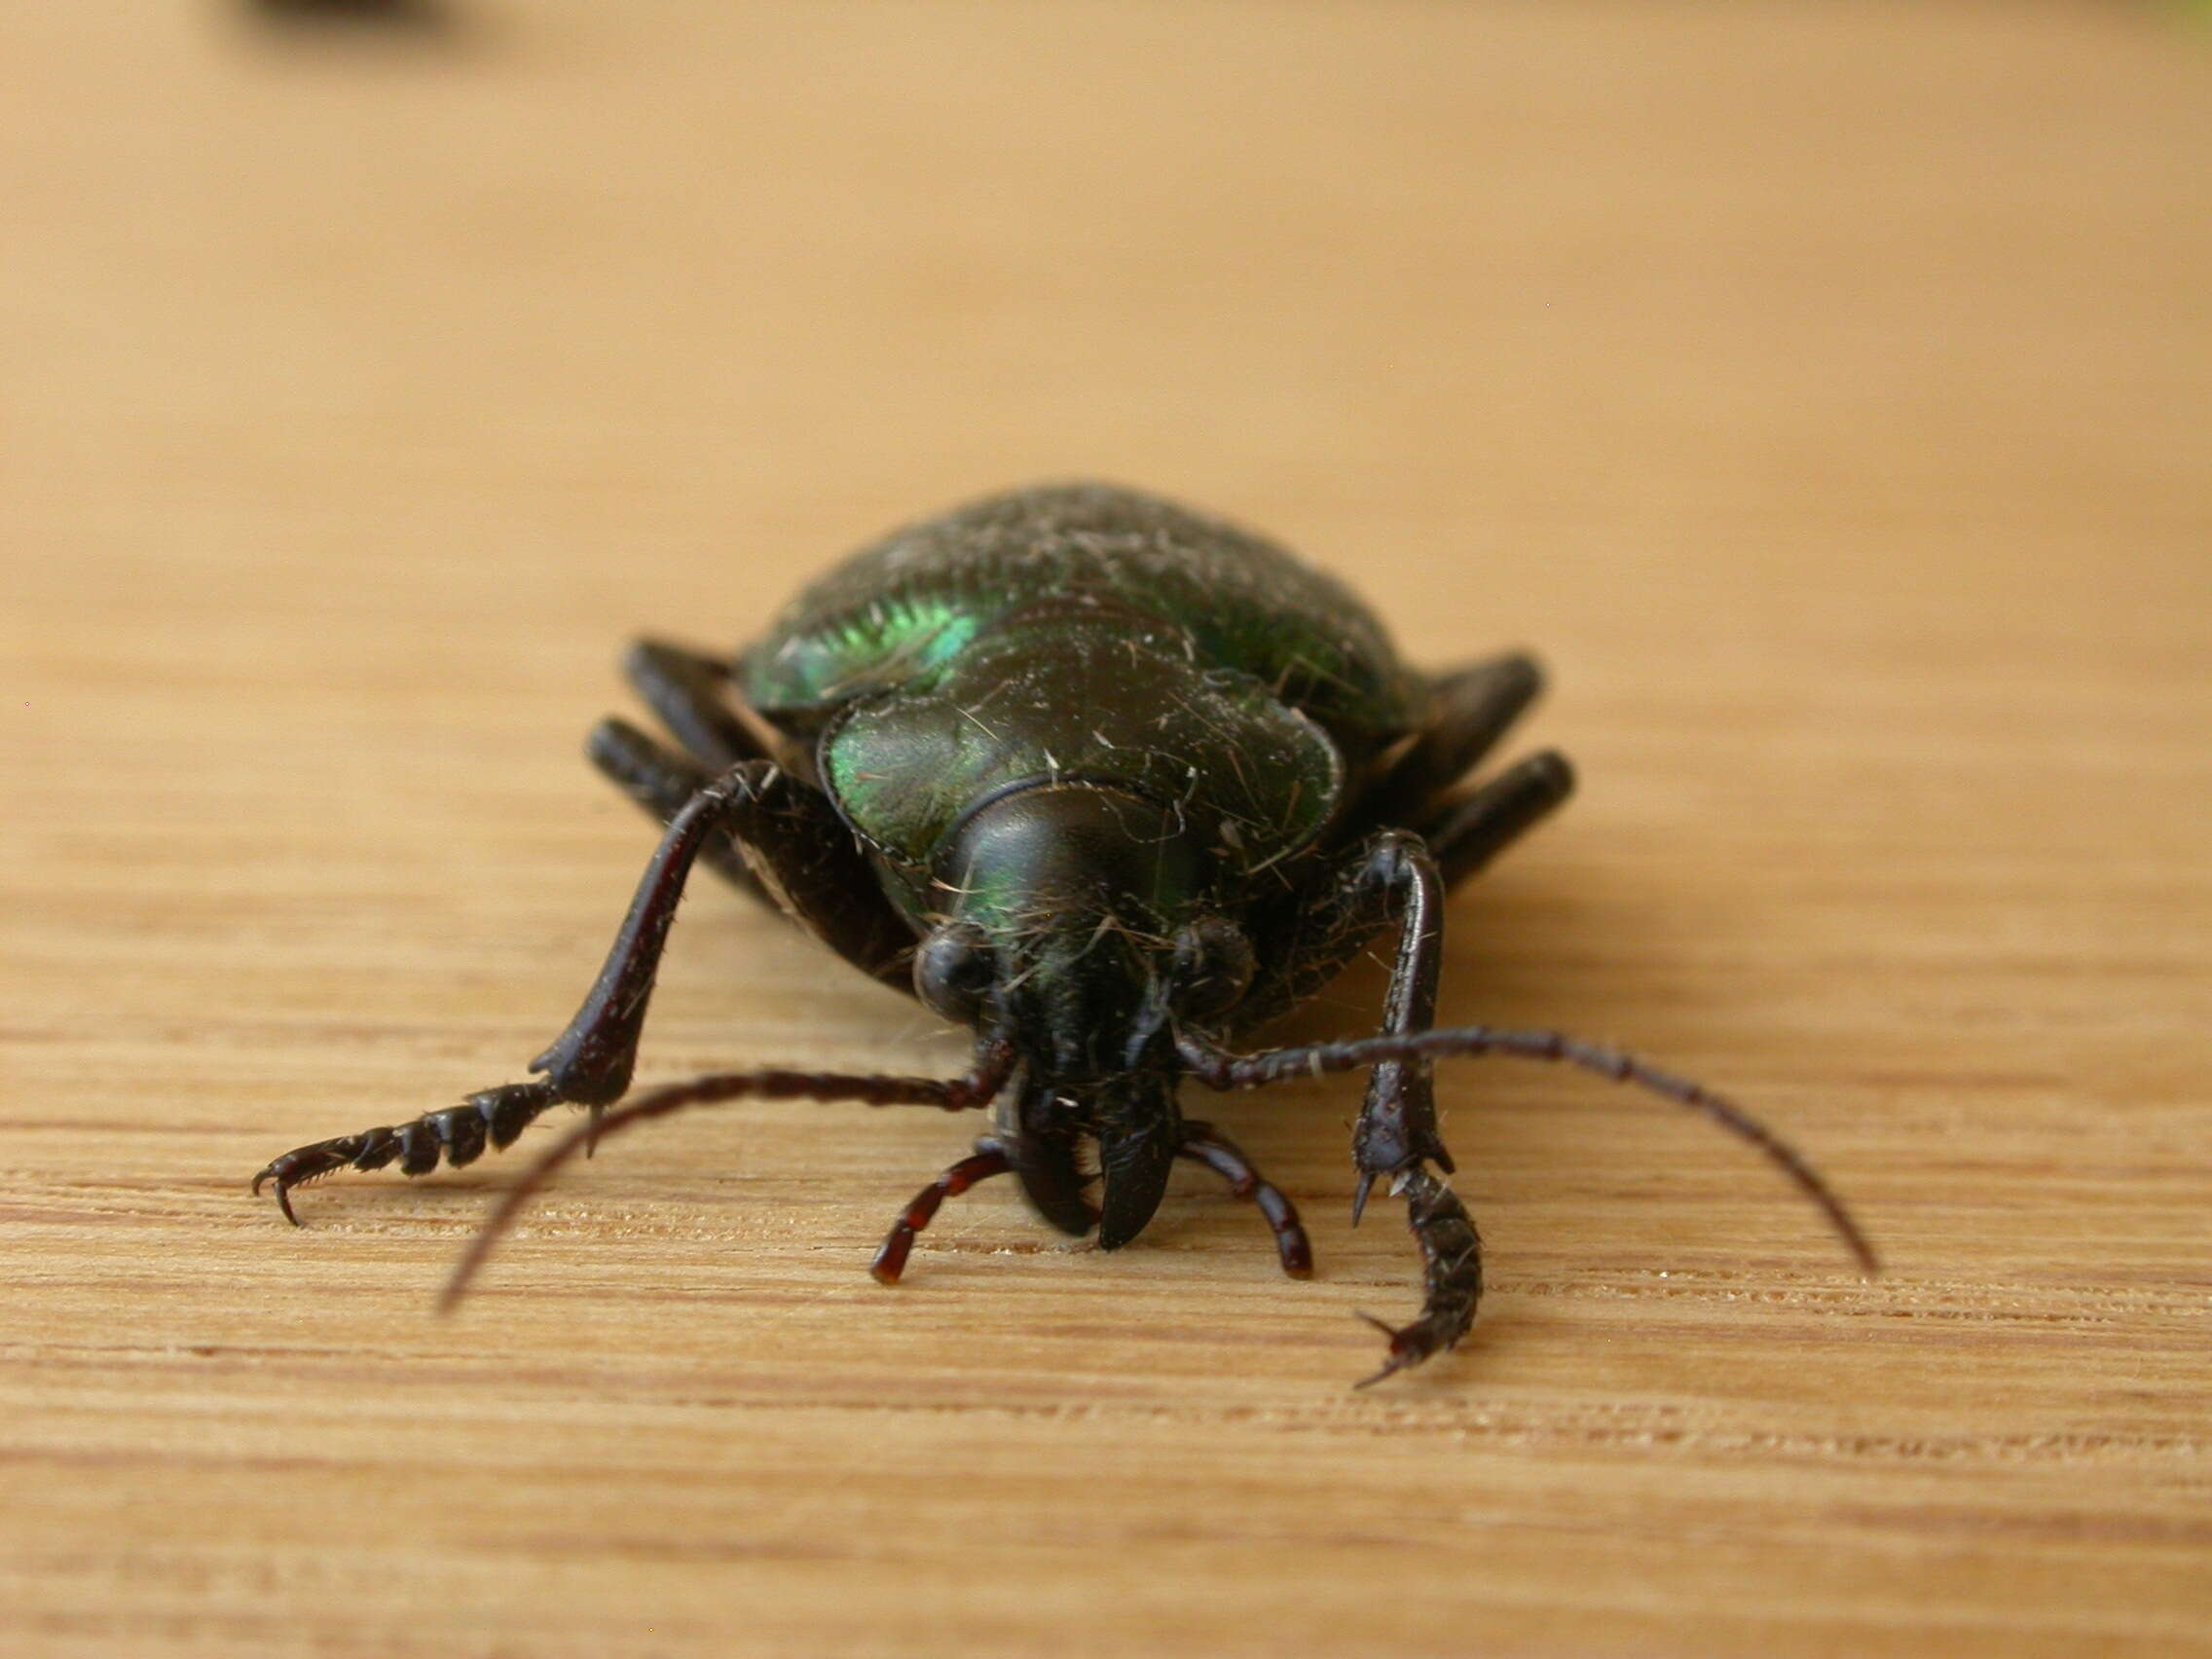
(1218, 1068)
(951, 1094)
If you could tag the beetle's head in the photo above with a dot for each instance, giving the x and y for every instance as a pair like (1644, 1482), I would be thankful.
(1077, 930)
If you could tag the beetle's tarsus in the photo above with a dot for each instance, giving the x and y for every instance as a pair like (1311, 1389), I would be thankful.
(1410, 1346)
(456, 1136)
(1399, 1357)
(1452, 1273)
(283, 1194)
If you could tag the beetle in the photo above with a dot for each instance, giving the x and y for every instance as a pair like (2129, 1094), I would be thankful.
(1113, 783)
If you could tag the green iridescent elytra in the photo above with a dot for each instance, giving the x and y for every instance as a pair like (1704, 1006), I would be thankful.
(1087, 632)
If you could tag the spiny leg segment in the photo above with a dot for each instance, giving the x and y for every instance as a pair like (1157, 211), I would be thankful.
(1450, 1271)
(456, 1136)
(1450, 1249)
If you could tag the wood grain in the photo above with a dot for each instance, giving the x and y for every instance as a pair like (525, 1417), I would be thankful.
(1823, 390)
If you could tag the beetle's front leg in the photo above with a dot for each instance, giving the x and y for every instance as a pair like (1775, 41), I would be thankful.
(1397, 1136)
(1397, 1125)
(794, 840)
(1391, 877)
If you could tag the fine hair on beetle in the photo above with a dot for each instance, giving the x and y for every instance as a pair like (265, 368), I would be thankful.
(1113, 785)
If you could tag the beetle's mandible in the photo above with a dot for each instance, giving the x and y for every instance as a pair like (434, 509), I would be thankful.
(1113, 783)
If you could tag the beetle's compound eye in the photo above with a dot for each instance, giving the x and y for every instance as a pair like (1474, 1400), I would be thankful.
(1213, 967)
(952, 970)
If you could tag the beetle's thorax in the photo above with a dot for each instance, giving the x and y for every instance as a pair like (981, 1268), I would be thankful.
(1098, 699)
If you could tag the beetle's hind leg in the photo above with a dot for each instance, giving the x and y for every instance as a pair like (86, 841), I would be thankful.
(1471, 710)
(1466, 831)
(691, 693)
(1424, 789)
(824, 882)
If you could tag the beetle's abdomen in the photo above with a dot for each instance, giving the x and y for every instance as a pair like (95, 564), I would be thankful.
(915, 603)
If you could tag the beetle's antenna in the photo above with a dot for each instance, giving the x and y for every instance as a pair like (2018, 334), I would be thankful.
(1218, 1068)
(952, 1094)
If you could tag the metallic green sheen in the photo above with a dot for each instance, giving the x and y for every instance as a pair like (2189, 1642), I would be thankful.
(912, 600)
(1089, 632)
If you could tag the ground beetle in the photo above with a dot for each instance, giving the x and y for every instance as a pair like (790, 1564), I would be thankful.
(1111, 783)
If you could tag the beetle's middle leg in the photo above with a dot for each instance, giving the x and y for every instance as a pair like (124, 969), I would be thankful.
(661, 781)
(689, 692)
(1467, 829)
(792, 837)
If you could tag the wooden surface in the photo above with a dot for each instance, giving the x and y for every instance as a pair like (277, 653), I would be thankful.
(1823, 390)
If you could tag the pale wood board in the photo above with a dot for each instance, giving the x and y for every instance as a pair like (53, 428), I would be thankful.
(1823, 390)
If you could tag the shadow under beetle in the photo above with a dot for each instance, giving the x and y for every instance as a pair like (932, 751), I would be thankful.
(1112, 784)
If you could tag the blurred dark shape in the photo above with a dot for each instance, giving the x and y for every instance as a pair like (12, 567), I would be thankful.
(416, 16)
